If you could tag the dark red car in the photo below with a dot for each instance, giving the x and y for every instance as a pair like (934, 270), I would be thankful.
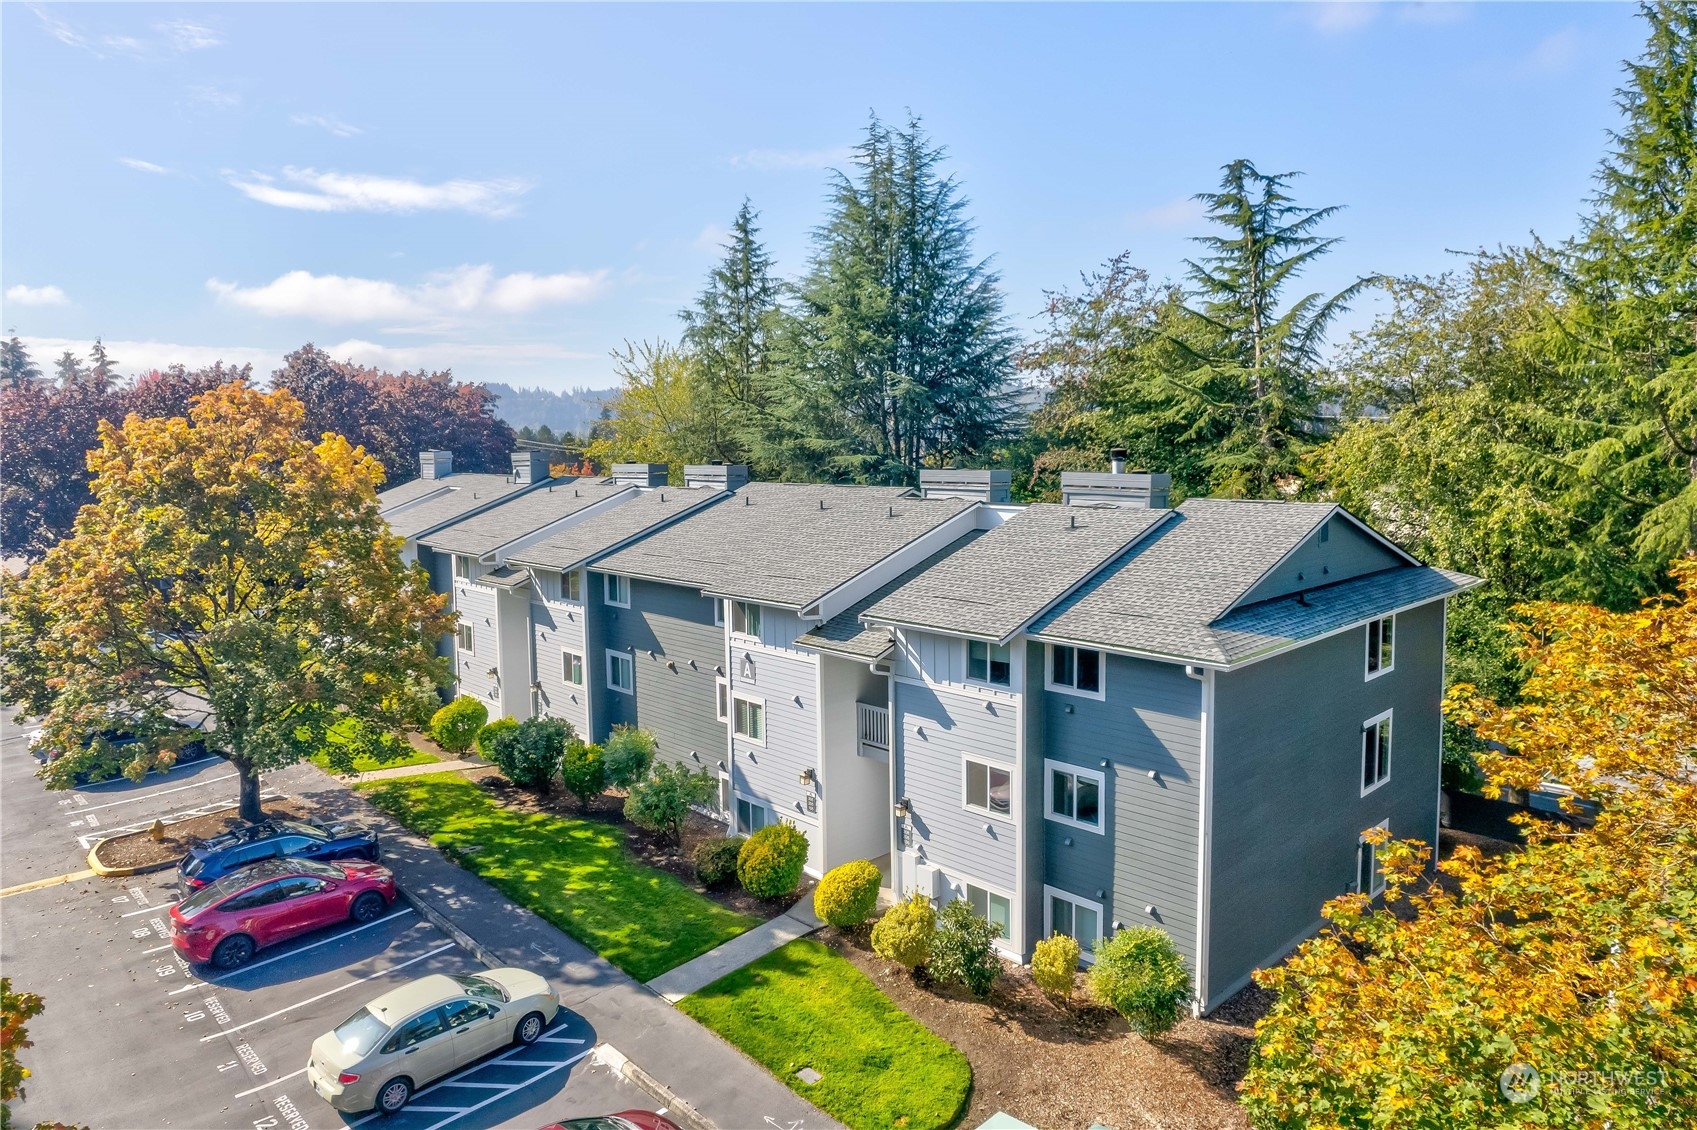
(624, 1120)
(227, 921)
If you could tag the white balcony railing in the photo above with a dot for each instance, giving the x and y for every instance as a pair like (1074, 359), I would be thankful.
(873, 726)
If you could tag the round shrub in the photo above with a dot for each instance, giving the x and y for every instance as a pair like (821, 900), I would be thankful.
(716, 860)
(905, 932)
(1053, 963)
(963, 950)
(529, 754)
(583, 771)
(486, 736)
(455, 726)
(1140, 975)
(769, 864)
(661, 801)
(629, 752)
(848, 894)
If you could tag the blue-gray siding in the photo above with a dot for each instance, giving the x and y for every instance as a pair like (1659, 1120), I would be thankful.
(1346, 553)
(787, 684)
(476, 605)
(557, 627)
(675, 691)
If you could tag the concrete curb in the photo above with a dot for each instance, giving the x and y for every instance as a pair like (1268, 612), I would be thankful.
(106, 872)
(445, 924)
(676, 1108)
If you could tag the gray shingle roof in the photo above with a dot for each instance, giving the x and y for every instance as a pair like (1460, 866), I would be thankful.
(580, 544)
(467, 493)
(522, 514)
(1016, 570)
(407, 491)
(844, 634)
(786, 544)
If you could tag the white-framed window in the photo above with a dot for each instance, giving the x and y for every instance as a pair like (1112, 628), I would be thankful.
(988, 663)
(621, 672)
(1073, 795)
(1079, 919)
(745, 618)
(571, 668)
(994, 907)
(1369, 878)
(465, 568)
(749, 719)
(987, 788)
(722, 690)
(718, 611)
(571, 585)
(464, 637)
(1375, 752)
(1381, 654)
(752, 815)
(615, 590)
(1075, 670)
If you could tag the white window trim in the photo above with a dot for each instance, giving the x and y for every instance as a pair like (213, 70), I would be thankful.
(606, 597)
(722, 693)
(1061, 688)
(1049, 892)
(612, 686)
(1049, 813)
(1361, 763)
(765, 718)
(718, 611)
(1378, 870)
(1367, 648)
(469, 575)
(987, 812)
(470, 633)
(1005, 945)
(739, 633)
(772, 815)
(966, 671)
(566, 596)
(564, 677)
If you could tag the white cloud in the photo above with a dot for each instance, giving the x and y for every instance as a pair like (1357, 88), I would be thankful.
(186, 35)
(712, 238)
(1553, 55)
(785, 160)
(141, 166)
(179, 36)
(215, 97)
(1180, 213)
(445, 354)
(443, 298)
(140, 356)
(1341, 17)
(327, 122)
(36, 295)
(358, 192)
(58, 28)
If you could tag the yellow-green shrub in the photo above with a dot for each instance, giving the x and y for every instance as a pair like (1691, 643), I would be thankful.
(455, 726)
(769, 864)
(1053, 963)
(848, 894)
(905, 932)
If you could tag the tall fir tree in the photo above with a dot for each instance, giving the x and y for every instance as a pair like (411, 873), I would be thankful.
(16, 366)
(730, 330)
(68, 369)
(102, 371)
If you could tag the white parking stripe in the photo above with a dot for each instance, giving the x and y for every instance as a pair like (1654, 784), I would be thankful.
(507, 1089)
(332, 992)
(224, 977)
(189, 988)
(558, 1040)
(437, 1109)
(148, 910)
(499, 1095)
(272, 1083)
(157, 949)
(481, 1086)
(151, 793)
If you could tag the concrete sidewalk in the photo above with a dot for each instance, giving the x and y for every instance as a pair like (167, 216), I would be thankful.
(413, 770)
(671, 1052)
(797, 922)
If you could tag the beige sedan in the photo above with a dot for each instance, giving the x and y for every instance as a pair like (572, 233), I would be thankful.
(424, 1030)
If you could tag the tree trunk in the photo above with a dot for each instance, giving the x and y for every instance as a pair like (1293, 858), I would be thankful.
(249, 805)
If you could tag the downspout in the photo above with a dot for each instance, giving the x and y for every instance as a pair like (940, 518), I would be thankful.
(1205, 829)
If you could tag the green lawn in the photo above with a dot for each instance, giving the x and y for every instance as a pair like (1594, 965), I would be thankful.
(804, 1006)
(365, 763)
(574, 873)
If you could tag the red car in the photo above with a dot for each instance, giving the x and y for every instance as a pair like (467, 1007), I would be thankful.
(229, 920)
(624, 1120)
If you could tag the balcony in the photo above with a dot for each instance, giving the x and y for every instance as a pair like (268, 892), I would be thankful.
(872, 730)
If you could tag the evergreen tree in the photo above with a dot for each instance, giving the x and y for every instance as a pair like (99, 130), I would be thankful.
(102, 371)
(68, 369)
(730, 331)
(16, 368)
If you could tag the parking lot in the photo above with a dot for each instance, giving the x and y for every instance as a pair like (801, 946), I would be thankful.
(135, 1037)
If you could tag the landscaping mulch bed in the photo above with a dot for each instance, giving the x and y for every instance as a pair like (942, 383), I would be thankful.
(645, 846)
(139, 849)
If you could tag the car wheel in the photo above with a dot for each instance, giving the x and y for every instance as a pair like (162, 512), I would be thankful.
(394, 1095)
(369, 907)
(371, 853)
(236, 950)
(529, 1028)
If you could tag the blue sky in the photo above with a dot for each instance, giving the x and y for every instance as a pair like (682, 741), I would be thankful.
(514, 190)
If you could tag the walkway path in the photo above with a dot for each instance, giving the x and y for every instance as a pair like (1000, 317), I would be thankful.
(414, 770)
(797, 922)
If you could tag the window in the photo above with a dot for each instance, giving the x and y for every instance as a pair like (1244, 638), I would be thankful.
(1375, 752)
(571, 668)
(418, 1030)
(621, 672)
(995, 909)
(463, 1012)
(1075, 670)
(1381, 634)
(464, 569)
(989, 789)
(1369, 880)
(718, 611)
(1079, 919)
(466, 639)
(616, 589)
(745, 618)
(1074, 795)
(724, 699)
(988, 663)
(751, 816)
(750, 719)
(571, 584)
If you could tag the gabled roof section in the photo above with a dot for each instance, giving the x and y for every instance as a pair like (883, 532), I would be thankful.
(785, 544)
(514, 518)
(993, 588)
(466, 493)
(410, 491)
(845, 634)
(583, 542)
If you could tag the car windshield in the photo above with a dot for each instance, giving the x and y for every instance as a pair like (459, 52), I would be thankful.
(480, 987)
(361, 1032)
(193, 864)
(315, 868)
(300, 829)
(215, 890)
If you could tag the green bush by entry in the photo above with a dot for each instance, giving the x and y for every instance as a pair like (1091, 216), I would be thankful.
(486, 736)
(583, 771)
(716, 860)
(530, 753)
(848, 894)
(963, 952)
(629, 753)
(1054, 961)
(769, 864)
(661, 802)
(455, 726)
(1140, 975)
(905, 932)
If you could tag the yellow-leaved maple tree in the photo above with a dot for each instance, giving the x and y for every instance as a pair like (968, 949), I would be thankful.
(1575, 956)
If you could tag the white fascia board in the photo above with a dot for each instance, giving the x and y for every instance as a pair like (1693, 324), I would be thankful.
(870, 580)
(403, 507)
(504, 553)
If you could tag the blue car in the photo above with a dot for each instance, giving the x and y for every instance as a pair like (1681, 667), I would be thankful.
(214, 858)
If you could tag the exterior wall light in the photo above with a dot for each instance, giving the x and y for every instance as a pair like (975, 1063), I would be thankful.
(903, 809)
(808, 776)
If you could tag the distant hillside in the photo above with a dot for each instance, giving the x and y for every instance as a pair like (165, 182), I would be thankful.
(572, 411)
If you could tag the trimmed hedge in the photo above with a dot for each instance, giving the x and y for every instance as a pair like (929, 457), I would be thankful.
(769, 865)
(848, 894)
(455, 726)
(1054, 962)
(1140, 974)
(905, 932)
(716, 860)
(486, 736)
